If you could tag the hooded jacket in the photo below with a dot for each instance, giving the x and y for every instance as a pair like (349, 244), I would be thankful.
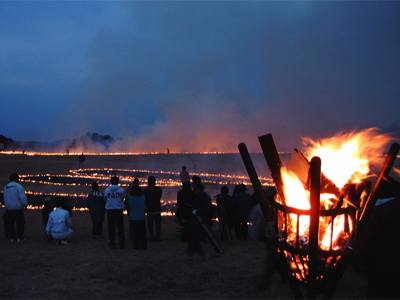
(96, 206)
(14, 196)
(114, 196)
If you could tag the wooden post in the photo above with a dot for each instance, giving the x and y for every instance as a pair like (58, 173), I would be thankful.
(274, 163)
(248, 163)
(315, 190)
(373, 196)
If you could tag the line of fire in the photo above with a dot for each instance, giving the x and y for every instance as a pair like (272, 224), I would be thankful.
(85, 177)
(318, 212)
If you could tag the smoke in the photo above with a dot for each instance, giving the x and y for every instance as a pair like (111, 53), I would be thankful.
(205, 76)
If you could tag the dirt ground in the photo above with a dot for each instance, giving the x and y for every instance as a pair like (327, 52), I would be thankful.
(88, 269)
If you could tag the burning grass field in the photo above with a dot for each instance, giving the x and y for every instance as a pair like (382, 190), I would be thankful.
(89, 269)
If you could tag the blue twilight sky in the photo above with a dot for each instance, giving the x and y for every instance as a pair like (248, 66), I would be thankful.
(198, 75)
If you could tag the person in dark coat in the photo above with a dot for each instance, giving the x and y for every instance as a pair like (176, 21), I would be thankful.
(378, 246)
(201, 206)
(153, 194)
(224, 212)
(195, 180)
(82, 159)
(241, 203)
(96, 206)
(184, 197)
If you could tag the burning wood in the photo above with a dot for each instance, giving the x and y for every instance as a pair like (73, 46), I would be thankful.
(317, 208)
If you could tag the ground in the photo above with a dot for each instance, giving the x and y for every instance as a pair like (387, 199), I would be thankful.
(88, 269)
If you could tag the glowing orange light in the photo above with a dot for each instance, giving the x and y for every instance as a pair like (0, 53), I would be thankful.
(346, 158)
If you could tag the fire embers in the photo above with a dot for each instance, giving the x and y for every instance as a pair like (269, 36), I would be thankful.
(335, 227)
(299, 266)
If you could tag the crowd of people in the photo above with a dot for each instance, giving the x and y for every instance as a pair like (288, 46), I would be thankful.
(143, 206)
(194, 211)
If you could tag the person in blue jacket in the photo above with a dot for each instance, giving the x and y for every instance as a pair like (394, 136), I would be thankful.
(15, 201)
(135, 206)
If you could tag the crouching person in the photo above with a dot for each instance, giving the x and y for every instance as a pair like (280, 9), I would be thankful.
(59, 225)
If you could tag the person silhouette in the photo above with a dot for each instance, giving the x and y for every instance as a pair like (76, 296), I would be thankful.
(184, 175)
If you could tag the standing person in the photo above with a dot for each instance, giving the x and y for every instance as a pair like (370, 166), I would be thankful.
(184, 198)
(59, 226)
(137, 216)
(114, 196)
(15, 201)
(127, 193)
(224, 213)
(378, 245)
(96, 206)
(153, 196)
(184, 175)
(241, 203)
(81, 160)
(195, 180)
(193, 230)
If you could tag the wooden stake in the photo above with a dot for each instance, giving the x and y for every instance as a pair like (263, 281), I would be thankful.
(248, 163)
(274, 163)
(315, 190)
(373, 196)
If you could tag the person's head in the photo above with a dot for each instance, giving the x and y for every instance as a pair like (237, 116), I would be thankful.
(136, 181)
(241, 188)
(95, 186)
(224, 190)
(198, 189)
(14, 177)
(60, 202)
(196, 180)
(184, 168)
(135, 190)
(151, 180)
(186, 185)
(114, 180)
(47, 200)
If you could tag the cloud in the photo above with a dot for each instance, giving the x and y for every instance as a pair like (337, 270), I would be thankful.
(205, 76)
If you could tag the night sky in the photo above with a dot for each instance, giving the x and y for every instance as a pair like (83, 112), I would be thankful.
(198, 75)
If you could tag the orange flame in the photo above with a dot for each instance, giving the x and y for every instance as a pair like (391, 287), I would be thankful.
(346, 158)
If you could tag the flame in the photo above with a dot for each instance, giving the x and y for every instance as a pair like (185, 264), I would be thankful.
(346, 158)
(296, 196)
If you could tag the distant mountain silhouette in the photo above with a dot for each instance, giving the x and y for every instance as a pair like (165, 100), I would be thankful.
(4, 139)
(85, 143)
